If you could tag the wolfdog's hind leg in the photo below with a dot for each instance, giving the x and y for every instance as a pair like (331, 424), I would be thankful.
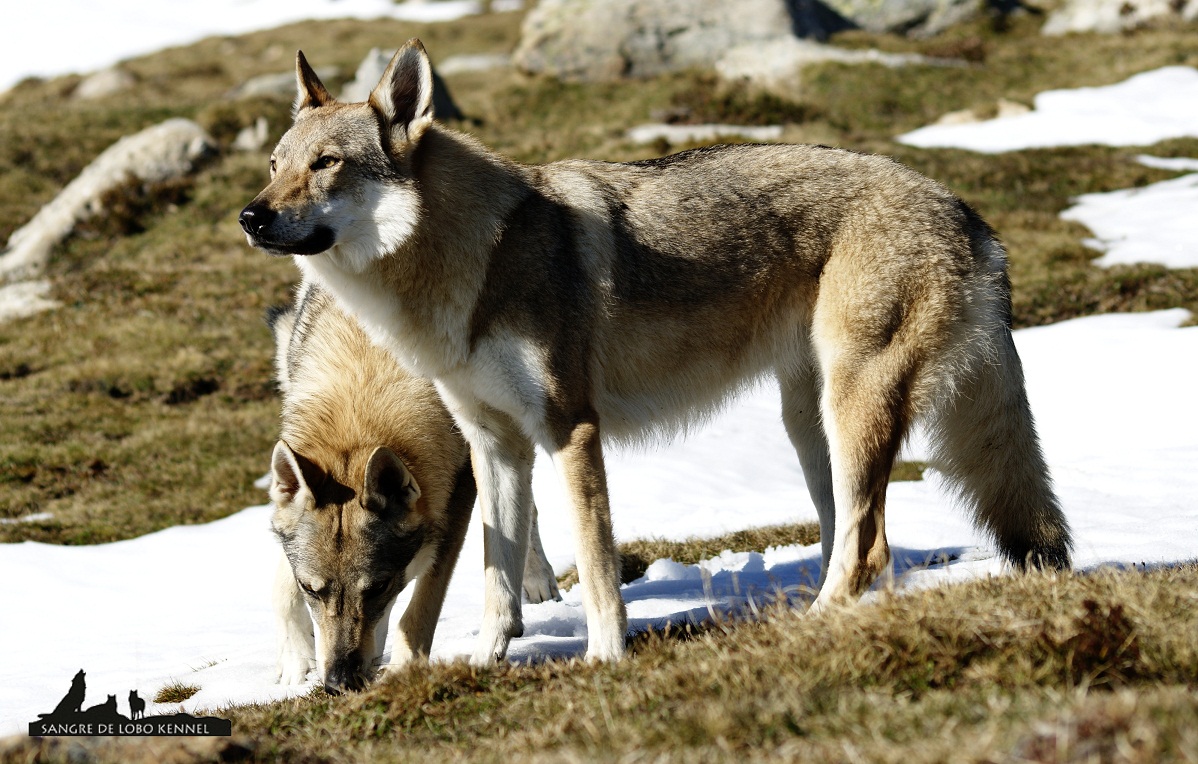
(296, 643)
(540, 583)
(865, 416)
(801, 415)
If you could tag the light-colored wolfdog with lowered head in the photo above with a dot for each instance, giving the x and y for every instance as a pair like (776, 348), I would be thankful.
(372, 488)
(556, 304)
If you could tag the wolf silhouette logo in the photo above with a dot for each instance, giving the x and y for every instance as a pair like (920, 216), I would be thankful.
(72, 702)
(69, 718)
(137, 706)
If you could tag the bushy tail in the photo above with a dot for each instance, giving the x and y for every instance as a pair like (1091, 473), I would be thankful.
(984, 442)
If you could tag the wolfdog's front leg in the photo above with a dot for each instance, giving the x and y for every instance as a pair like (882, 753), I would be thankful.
(502, 457)
(580, 464)
(414, 637)
(296, 643)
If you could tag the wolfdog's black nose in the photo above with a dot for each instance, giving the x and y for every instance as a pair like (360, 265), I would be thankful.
(344, 677)
(255, 218)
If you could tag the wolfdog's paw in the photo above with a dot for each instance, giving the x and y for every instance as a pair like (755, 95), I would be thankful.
(492, 645)
(293, 668)
(541, 588)
(540, 584)
(605, 647)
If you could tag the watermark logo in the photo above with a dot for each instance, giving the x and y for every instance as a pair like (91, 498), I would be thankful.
(69, 717)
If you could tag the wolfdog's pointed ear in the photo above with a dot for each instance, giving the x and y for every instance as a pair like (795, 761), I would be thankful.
(404, 95)
(388, 485)
(287, 472)
(310, 91)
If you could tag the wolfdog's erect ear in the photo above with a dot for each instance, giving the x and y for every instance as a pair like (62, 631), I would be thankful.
(388, 485)
(404, 95)
(310, 90)
(288, 479)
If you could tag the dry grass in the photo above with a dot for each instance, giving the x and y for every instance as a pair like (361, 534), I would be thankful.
(176, 692)
(1097, 667)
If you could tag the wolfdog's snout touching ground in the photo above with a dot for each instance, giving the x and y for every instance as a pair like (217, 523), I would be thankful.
(566, 304)
(372, 488)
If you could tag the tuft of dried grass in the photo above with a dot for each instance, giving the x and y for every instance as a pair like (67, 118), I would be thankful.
(175, 692)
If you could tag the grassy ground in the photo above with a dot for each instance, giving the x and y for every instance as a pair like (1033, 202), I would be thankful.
(1084, 668)
(146, 402)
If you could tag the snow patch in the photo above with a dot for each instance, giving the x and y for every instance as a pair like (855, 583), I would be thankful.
(1149, 107)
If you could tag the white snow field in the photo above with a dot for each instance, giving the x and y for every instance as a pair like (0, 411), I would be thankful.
(1153, 224)
(53, 37)
(1143, 109)
(1113, 399)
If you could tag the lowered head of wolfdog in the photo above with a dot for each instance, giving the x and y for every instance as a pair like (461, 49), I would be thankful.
(372, 489)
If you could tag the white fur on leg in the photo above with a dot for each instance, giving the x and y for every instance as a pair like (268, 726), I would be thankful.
(502, 460)
(296, 643)
(380, 633)
(842, 562)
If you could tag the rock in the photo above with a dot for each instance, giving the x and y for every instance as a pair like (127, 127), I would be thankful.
(370, 71)
(959, 117)
(1011, 108)
(481, 62)
(679, 134)
(776, 66)
(163, 152)
(103, 83)
(280, 85)
(24, 299)
(252, 138)
(596, 40)
(1110, 16)
(1003, 108)
(914, 17)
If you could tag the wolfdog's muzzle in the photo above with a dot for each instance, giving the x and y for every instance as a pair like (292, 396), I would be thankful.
(258, 221)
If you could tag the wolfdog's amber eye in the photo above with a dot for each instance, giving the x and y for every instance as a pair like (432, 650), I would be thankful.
(325, 162)
(272, 164)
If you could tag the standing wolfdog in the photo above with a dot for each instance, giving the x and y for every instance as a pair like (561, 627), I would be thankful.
(372, 488)
(556, 304)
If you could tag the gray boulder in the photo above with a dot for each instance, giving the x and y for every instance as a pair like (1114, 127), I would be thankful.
(279, 84)
(476, 62)
(253, 137)
(103, 83)
(1110, 16)
(777, 66)
(597, 40)
(25, 298)
(163, 152)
